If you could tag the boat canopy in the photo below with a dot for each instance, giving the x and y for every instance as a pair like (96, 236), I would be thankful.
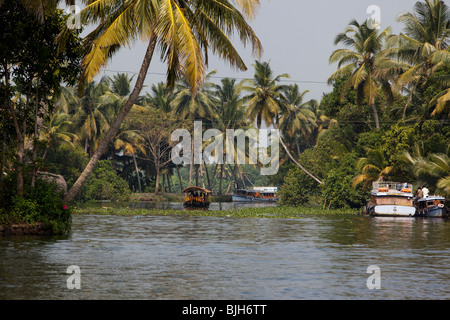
(192, 189)
(388, 186)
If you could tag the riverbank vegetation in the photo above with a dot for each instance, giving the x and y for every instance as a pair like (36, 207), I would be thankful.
(285, 212)
(386, 115)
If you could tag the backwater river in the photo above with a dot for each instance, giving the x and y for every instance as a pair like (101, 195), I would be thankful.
(189, 257)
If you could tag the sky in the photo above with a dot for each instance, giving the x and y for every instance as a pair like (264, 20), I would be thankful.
(297, 38)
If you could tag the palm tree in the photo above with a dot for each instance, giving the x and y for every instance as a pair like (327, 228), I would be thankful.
(297, 119)
(160, 97)
(182, 29)
(231, 115)
(130, 141)
(194, 106)
(55, 128)
(412, 58)
(433, 168)
(88, 116)
(358, 63)
(372, 168)
(265, 102)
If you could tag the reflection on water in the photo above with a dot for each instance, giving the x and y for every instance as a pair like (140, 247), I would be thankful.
(166, 205)
(182, 257)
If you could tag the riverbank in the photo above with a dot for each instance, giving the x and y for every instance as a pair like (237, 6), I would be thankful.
(258, 212)
(174, 197)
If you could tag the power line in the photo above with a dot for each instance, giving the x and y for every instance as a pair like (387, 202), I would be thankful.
(219, 77)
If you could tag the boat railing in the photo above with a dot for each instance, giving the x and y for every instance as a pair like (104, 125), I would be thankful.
(387, 186)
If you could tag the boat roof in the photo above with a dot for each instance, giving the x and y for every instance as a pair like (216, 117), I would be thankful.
(431, 198)
(193, 188)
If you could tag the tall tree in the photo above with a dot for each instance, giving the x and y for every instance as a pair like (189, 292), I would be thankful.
(265, 103)
(297, 119)
(181, 29)
(32, 69)
(358, 63)
(414, 56)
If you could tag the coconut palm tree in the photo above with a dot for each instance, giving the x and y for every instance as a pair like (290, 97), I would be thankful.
(194, 106)
(264, 99)
(265, 102)
(182, 29)
(297, 119)
(88, 118)
(55, 128)
(413, 57)
(372, 168)
(160, 97)
(358, 63)
(227, 97)
(433, 168)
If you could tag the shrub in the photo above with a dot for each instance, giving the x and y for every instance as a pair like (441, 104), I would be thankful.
(293, 191)
(105, 184)
(41, 204)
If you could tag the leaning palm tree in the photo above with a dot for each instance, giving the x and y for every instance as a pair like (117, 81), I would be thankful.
(265, 102)
(358, 64)
(181, 29)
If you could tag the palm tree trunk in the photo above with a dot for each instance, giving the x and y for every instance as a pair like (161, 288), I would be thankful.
(137, 173)
(179, 179)
(114, 128)
(375, 114)
(168, 183)
(221, 178)
(296, 162)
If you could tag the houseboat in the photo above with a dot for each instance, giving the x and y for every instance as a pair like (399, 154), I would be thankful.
(256, 194)
(391, 199)
(196, 197)
(431, 206)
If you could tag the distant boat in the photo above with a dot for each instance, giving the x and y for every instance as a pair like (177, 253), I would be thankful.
(391, 199)
(431, 206)
(196, 197)
(256, 194)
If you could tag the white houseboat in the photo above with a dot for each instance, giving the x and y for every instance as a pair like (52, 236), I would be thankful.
(256, 194)
(391, 199)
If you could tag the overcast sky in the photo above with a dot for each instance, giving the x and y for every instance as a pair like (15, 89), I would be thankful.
(297, 37)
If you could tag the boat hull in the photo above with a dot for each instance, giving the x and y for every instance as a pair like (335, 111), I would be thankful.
(394, 210)
(434, 212)
(238, 198)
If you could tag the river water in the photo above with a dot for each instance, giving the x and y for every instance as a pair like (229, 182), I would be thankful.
(188, 257)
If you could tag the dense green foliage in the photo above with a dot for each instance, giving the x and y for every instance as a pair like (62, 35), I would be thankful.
(40, 204)
(105, 184)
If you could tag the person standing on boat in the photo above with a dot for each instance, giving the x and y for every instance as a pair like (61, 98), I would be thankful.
(425, 191)
(419, 194)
